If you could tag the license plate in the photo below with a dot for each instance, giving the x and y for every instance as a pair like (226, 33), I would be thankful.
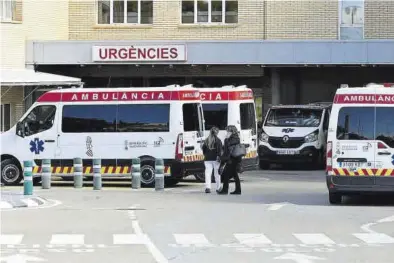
(353, 164)
(287, 152)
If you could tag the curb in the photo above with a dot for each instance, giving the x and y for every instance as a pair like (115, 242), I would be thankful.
(22, 202)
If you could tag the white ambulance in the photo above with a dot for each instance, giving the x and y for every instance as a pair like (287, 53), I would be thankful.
(360, 147)
(112, 124)
(231, 105)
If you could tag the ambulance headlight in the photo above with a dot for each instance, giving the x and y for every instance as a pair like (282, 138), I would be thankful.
(311, 137)
(264, 137)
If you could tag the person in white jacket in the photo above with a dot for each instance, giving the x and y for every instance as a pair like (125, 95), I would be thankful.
(212, 149)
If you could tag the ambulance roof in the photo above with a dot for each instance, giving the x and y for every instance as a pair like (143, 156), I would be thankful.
(369, 94)
(172, 92)
(226, 93)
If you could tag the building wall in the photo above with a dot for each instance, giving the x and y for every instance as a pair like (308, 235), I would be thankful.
(305, 19)
(166, 24)
(12, 45)
(13, 95)
(379, 19)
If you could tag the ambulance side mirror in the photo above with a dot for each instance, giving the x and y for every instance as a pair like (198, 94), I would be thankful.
(20, 129)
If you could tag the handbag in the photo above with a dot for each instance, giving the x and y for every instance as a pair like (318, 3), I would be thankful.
(239, 150)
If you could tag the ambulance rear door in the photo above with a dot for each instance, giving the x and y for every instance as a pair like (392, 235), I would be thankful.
(248, 127)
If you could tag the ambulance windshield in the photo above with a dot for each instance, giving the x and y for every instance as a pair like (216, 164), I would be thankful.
(294, 117)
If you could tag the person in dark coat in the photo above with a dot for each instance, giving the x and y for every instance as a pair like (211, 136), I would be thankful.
(231, 166)
(212, 149)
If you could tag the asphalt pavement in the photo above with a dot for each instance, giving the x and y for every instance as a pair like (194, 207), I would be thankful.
(281, 216)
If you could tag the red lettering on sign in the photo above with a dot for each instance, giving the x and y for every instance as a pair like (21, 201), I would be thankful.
(174, 53)
(225, 95)
(91, 96)
(139, 53)
(364, 99)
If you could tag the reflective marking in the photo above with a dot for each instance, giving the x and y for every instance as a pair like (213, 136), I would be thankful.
(10, 239)
(314, 239)
(128, 239)
(375, 238)
(29, 202)
(252, 239)
(191, 239)
(4, 204)
(63, 239)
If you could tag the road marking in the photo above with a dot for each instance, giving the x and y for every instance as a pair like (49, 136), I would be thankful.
(64, 239)
(157, 255)
(277, 206)
(299, 258)
(50, 203)
(253, 240)
(4, 205)
(375, 238)
(386, 219)
(128, 239)
(10, 239)
(314, 239)
(29, 202)
(191, 239)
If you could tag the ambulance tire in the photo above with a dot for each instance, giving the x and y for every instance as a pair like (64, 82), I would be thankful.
(147, 173)
(335, 198)
(11, 172)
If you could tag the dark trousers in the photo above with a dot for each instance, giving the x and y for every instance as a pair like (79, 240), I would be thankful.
(230, 171)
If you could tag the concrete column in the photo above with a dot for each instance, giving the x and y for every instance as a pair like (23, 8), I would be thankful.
(275, 86)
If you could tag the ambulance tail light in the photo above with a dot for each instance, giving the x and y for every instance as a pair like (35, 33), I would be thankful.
(381, 145)
(179, 147)
(329, 157)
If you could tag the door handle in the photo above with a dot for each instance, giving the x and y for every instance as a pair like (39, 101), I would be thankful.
(189, 148)
(384, 153)
(49, 140)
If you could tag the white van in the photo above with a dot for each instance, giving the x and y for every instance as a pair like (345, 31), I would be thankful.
(230, 105)
(295, 133)
(114, 125)
(360, 147)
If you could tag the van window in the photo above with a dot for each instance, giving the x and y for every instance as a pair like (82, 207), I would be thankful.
(385, 125)
(143, 118)
(40, 119)
(356, 123)
(247, 116)
(294, 117)
(89, 118)
(215, 115)
(190, 117)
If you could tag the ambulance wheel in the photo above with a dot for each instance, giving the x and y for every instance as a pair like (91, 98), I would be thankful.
(147, 175)
(335, 198)
(11, 172)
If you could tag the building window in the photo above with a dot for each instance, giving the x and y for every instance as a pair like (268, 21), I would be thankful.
(209, 11)
(351, 24)
(5, 114)
(8, 10)
(125, 11)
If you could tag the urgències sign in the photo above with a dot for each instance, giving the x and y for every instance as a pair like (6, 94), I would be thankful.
(142, 53)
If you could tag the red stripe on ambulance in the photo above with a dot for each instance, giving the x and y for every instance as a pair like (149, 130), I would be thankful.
(364, 99)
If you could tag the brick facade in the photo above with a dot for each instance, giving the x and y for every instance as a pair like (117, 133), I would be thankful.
(379, 19)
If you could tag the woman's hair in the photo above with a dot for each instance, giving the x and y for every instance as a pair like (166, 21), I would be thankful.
(233, 130)
(211, 139)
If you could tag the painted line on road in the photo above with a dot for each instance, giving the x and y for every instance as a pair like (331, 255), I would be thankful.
(274, 207)
(129, 239)
(386, 219)
(191, 239)
(29, 202)
(49, 204)
(5, 205)
(314, 239)
(375, 238)
(67, 239)
(367, 227)
(157, 255)
(10, 239)
(252, 239)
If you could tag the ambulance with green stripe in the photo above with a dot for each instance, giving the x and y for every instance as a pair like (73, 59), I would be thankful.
(360, 144)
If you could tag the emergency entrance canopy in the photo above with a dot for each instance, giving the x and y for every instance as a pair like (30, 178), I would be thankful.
(29, 77)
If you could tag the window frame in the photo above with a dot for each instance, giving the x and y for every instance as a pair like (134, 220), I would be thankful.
(206, 111)
(373, 111)
(2, 124)
(111, 13)
(340, 25)
(3, 17)
(195, 13)
(250, 110)
(25, 117)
